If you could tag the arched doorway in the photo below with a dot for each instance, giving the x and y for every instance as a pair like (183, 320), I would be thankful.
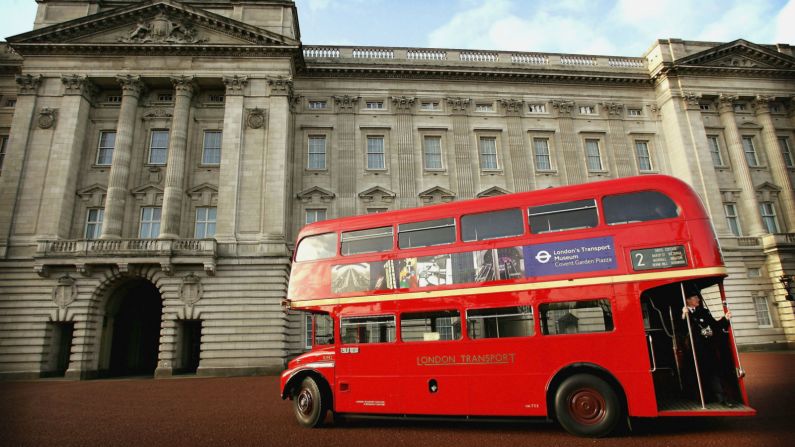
(132, 329)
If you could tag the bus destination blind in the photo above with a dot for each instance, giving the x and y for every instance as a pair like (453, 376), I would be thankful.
(659, 258)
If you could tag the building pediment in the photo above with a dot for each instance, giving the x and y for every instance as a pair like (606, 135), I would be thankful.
(149, 194)
(154, 25)
(377, 193)
(309, 194)
(739, 55)
(493, 192)
(436, 194)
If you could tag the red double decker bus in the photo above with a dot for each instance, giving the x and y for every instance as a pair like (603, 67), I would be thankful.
(563, 303)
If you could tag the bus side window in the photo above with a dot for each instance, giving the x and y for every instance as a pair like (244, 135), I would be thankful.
(375, 329)
(430, 326)
(638, 207)
(324, 329)
(321, 246)
(576, 317)
(491, 225)
(563, 216)
(500, 322)
(429, 232)
(372, 240)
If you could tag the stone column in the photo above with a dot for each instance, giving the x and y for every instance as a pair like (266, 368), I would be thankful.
(462, 145)
(404, 124)
(347, 172)
(231, 144)
(573, 160)
(174, 189)
(16, 154)
(115, 201)
(622, 161)
(522, 172)
(62, 170)
(275, 198)
(775, 158)
(742, 174)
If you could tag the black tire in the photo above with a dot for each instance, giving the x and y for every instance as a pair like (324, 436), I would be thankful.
(586, 405)
(308, 404)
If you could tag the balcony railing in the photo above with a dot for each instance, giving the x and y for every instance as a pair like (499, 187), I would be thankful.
(127, 247)
(471, 57)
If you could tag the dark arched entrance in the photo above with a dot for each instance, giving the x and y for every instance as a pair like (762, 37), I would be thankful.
(133, 323)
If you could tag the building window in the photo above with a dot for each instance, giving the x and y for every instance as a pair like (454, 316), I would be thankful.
(107, 141)
(165, 97)
(158, 147)
(593, 156)
(762, 312)
(432, 153)
(317, 152)
(94, 223)
(430, 105)
(375, 153)
(587, 110)
(786, 152)
(150, 222)
(750, 152)
(484, 107)
(317, 105)
(740, 107)
(11, 102)
(730, 211)
(3, 144)
(644, 158)
(205, 222)
(215, 98)
(704, 106)
(541, 154)
(315, 215)
(537, 108)
(768, 213)
(211, 153)
(113, 99)
(634, 112)
(488, 153)
(714, 150)
(374, 105)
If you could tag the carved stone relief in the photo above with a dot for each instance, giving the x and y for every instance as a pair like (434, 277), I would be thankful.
(191, 290)
(65, 291)
(162, 29)
(563, 107)
(47, 117)
(255, 118)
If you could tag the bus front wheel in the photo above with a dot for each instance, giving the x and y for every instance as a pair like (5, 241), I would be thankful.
(308, 404)
(586, 405)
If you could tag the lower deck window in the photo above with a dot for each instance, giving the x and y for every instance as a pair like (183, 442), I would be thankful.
(576, 317)
(380, 329)
(431, 326)
(501, 322)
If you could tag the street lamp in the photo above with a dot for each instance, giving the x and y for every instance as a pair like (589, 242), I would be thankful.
(787, 282)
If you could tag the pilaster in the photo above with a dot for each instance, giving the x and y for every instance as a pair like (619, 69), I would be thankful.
(775, 158)
(742, 173)
(522, 170)
(404, 124)
(276, 197)
(115, 202)
(623, 162)
(573, 159)
(174, 190)
(231, 145)
(462, 145)
(346, 160)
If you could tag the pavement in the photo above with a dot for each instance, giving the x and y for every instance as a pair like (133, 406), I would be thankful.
(245, 411)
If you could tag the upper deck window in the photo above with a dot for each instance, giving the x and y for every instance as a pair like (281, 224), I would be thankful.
(321, 246)
(638, 207)
(563, 216)
(491, 225)
(429, 232)
(367, 241)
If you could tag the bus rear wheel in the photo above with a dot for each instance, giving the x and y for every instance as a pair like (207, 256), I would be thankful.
(586, 405)
(308, 404)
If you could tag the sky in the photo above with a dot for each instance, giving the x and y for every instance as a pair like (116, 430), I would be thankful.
(598, 27)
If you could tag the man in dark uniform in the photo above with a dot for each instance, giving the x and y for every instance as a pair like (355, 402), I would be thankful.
(705, 332)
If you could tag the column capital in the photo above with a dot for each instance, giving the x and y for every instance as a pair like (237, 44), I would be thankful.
(564, 107)
(458, 104)
(183, 84)
(403, 103)
(235, 84)
(281, 87)
(613, 108)
(512, 106)
(692, 100)
(726, 102)
(28, 84)
(761, 104)
(131, 85)
(77, 85)
(346, 103)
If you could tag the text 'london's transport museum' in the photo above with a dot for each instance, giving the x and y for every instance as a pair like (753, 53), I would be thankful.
(158, 158)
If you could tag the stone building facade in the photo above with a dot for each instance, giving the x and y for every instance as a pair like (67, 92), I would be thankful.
(160, 156)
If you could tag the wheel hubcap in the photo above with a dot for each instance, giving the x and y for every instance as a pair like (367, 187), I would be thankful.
(305, 402)
(587, 406)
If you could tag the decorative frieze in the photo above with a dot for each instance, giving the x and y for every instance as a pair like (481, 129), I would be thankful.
(28, 84)
(235, 84)
(47, 118)
(255, 118)
(158, 113)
